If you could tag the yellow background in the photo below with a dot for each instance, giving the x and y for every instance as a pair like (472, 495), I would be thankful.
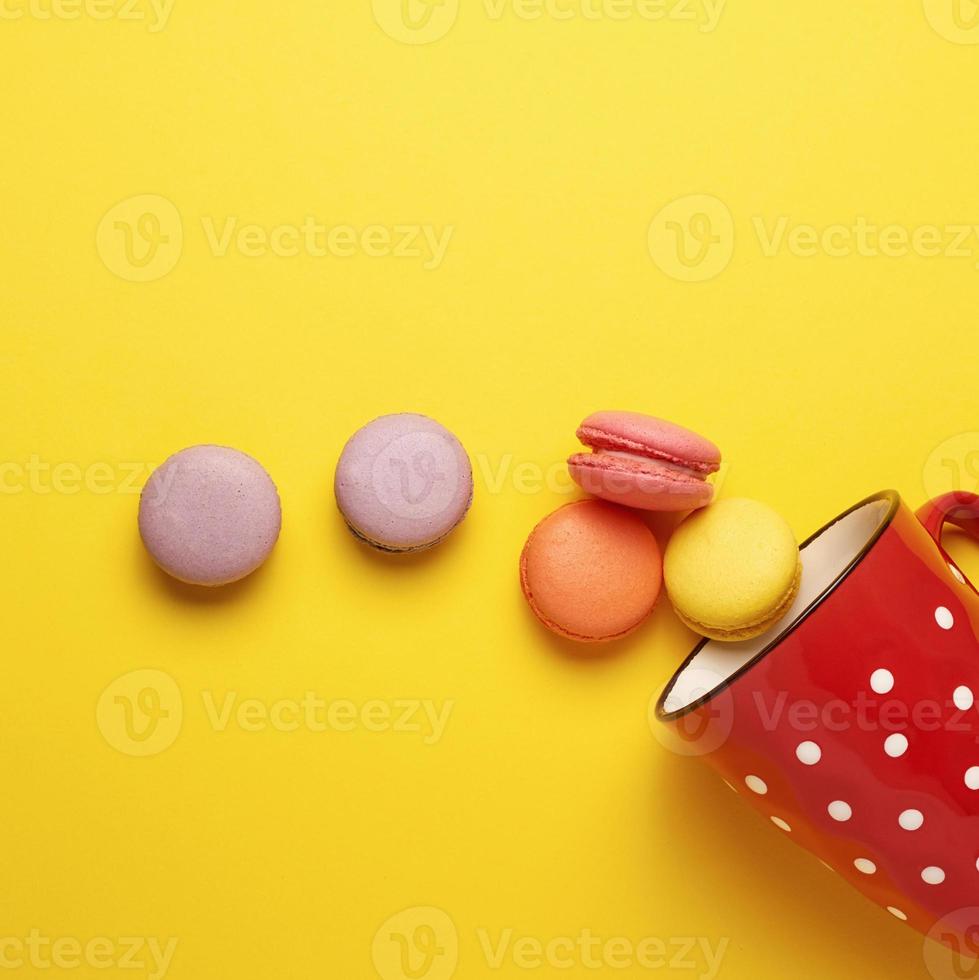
(549, 145)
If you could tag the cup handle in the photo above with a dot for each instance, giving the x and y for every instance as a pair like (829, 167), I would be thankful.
(959, 508)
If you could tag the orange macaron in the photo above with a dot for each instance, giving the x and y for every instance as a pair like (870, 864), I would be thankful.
(591, 571)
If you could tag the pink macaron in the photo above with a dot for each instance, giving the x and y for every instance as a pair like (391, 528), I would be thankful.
(644, 462)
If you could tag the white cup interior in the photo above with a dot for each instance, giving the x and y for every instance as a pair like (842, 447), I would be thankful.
(824, 559)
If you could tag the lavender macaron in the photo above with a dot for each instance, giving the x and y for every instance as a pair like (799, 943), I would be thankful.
(403, 483)
(209, 515)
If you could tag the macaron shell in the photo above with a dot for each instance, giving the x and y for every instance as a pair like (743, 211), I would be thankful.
(209, 515)
(642, 484)
(591, 571)
(648, 435)
(403, 483)
(748, 632)
(730, 566)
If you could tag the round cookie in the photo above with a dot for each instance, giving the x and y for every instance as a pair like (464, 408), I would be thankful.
(732, 570)
(209, 515)
(644, 462)
(403, 483)
(591, 571)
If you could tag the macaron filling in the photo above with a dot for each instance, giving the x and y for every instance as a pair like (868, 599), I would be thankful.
(390, 549)
(606, 443)
(638, 464)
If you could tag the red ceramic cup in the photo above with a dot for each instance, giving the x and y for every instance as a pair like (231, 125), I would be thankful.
(853, 725)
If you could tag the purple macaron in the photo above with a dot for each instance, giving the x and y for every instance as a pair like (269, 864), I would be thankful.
(209, 515)
(403, 483)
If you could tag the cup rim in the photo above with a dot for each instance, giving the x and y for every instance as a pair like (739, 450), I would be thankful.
(894, 502)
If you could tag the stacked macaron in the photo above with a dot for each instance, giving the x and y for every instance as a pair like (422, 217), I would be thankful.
(592, 571)
(643, 462)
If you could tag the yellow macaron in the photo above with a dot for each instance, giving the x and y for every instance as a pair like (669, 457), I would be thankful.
(732, 570)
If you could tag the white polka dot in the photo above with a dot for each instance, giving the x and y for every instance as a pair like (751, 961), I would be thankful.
(944, 618)
(756, 785)
(896, 745)
(956, 573)
(781, 824)
(972, 777)
(897, 913)
(809, 753)
(964, 698)
(882, 681)
(840, 811)
(865, 866)
(911, 820)
(977, 865)
(933, 876)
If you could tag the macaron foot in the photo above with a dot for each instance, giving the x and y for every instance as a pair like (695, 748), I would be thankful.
(751, 631)
(386, 549)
